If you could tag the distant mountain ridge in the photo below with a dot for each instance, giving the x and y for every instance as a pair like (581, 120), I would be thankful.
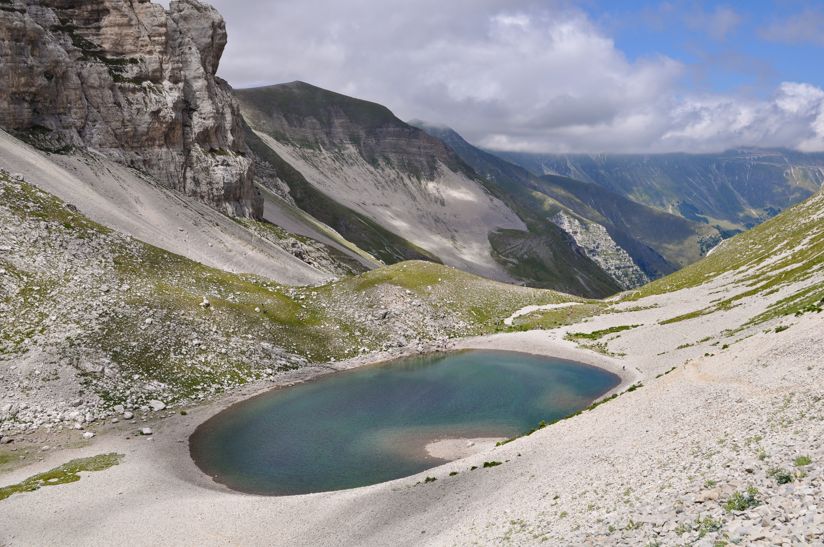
(396, 191)
(654, 243)
(734, 190)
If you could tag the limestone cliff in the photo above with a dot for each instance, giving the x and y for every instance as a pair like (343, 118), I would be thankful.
(599, 246)
(132, 81)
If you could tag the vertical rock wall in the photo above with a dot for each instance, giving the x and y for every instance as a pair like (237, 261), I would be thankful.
(132, 81)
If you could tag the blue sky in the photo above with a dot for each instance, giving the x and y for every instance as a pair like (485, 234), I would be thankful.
(555, 75)
(729, 46)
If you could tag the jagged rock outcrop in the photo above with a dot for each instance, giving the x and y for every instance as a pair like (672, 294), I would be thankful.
(599, 246)
(132, 81)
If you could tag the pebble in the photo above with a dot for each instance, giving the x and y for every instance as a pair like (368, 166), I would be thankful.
(156, 405)
(146, 431)
(88, 435)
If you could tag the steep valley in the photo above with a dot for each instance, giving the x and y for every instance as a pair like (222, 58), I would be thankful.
(655, 242)
(733, 190)
(173, 250)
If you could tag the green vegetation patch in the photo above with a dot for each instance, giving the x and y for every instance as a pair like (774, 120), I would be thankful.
(66, 473)
(29, 202)
(741, 501)
(7, 457)
(482, 303)
(559, 317)
(802, 461)
(781, 476)
(598, 334)
(707, 525)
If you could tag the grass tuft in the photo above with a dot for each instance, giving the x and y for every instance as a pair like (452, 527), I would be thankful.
(66, 473)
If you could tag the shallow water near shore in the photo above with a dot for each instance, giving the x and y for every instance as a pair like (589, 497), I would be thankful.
(372, 424)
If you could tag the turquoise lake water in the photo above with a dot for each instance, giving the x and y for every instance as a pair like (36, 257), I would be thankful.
(371, 424)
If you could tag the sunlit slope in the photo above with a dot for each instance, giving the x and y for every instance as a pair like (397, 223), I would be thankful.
(786, 251)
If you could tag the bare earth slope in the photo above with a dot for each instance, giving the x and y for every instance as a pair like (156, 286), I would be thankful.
(719, 440)
(449, 216)
(291, 218)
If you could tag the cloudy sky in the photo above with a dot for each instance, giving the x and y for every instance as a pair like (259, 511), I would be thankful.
(554, 76)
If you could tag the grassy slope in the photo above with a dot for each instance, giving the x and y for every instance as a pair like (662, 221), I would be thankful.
(783, 253)
(298, 101)
(150, 324)
(310, 117)
(787, 249)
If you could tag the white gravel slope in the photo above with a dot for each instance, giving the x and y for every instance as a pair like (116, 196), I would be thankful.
(654, 466)
(119, 198)
(294, 220)
(450, 217)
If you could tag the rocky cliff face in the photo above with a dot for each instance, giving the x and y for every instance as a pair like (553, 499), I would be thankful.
(130, 80)
(599, 246)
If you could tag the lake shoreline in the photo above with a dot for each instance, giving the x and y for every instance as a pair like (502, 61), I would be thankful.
(167, 451)
(694, 393)
(450, 450)
(424, 410)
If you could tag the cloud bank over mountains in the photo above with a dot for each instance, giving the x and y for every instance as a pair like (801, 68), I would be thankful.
(512, 74)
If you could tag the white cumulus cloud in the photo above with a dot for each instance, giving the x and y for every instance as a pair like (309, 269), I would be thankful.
(515, 74)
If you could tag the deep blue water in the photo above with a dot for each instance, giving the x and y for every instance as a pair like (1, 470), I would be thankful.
(371, 424)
